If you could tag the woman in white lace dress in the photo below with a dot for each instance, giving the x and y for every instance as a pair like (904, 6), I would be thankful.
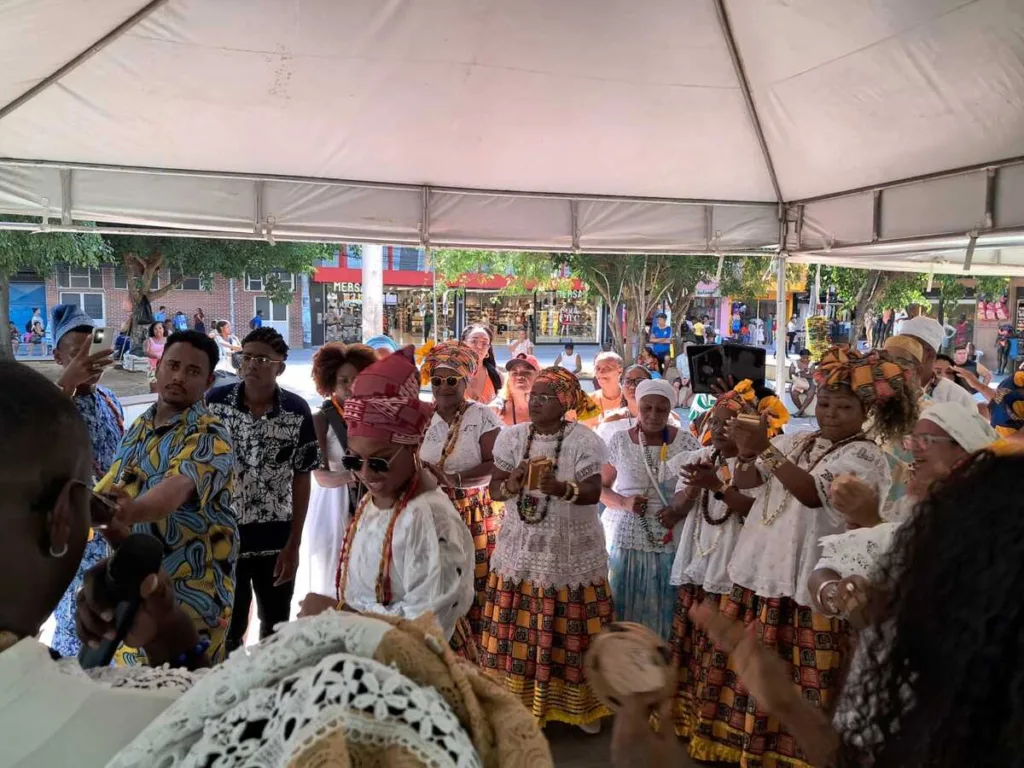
(547, 593)
(637, 485)
(335, 367)
(713, 510)
(406, 551)
(458, 450)
(778, 545)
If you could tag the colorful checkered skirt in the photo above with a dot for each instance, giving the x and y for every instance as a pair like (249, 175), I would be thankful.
(688, 642)
(483, 517)
(721, 719)
(534, 640)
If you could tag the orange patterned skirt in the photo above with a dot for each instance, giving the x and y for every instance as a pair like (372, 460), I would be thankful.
(483, 517)
(534, 640)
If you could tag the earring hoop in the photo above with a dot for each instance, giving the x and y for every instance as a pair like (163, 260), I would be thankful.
(63, 551)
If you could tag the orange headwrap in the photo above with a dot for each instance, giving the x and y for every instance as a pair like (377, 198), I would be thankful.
(567, 389)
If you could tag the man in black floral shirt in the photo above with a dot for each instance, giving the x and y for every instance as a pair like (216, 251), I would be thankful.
(275, 451)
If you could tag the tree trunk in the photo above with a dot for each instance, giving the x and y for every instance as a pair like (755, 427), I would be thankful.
(6, 351)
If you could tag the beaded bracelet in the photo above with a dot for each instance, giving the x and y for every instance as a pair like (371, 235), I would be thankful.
(195, 652)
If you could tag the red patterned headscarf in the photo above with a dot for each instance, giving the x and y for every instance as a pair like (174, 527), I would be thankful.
(385, 402)
(567, 389)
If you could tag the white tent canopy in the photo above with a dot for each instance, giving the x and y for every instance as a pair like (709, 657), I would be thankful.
(852, 131)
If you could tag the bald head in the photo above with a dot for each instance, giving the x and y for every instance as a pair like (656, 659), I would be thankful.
(44, 456)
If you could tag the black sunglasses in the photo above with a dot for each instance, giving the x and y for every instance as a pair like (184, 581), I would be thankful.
(451, 381)
(376, 464)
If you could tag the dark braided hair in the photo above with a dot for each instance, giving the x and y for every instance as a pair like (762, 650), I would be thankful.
(942, 683)
(271, 338)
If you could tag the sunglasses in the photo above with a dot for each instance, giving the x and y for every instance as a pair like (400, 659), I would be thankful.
(542, 400)
(376, 464)
(451, 381)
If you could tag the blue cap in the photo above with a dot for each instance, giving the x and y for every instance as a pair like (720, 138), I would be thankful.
(67, 317)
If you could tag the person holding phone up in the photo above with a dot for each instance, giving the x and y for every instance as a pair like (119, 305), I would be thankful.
(83, 366)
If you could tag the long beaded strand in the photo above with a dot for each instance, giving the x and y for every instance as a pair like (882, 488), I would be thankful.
(645, 523)
(529, 510)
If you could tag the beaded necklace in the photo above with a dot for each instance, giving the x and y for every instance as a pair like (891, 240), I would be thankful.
(656, 479)
(530, 511)
(803, 449)
(705, 515)
(452, 438)
(384, 570)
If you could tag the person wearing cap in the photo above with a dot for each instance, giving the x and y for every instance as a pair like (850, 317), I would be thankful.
(636, 485)
(512, 404)
(104, 418)
(457, 450)
(608, 375)
(929, 334)
(406, 553)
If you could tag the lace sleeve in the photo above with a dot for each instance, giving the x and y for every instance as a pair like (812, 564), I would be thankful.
(858, 552)
(135, 678)
(590, 453)
(507, 451)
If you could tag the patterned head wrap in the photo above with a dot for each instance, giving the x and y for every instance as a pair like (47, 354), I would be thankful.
(456, 355)
(385, 402)
(873, 376)
(1007, 407)
(567, 389)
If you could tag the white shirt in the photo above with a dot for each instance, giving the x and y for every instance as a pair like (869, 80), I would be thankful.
(431, 566)
(521, 347)
(567, 547)
(777, 559)
(946, 391)
(224, 345)
(51, 715)
(624, 528)
(704, 550)
(477, 421)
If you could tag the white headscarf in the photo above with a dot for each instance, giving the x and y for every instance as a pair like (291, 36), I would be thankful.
(963, 424)
(656, 387)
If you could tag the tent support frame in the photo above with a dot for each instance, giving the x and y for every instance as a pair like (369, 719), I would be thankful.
(81, 58)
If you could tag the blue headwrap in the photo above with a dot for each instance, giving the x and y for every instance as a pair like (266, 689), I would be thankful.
(67, 317)
(381, 342)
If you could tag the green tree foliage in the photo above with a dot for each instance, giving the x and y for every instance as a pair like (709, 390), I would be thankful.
(41, 252)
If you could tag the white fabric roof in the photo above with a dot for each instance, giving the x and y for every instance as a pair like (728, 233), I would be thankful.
(603, 125)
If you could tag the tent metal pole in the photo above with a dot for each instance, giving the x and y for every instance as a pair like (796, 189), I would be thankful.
(81, 58)
(748, 98)
(781, 322)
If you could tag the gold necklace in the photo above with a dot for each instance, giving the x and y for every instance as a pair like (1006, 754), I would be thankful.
(803, 449)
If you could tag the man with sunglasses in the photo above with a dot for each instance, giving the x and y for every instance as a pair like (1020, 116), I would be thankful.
(275, 451)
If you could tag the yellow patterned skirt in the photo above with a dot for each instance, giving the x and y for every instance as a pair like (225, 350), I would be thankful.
(534, 640)
(483, 517)
(722, 719)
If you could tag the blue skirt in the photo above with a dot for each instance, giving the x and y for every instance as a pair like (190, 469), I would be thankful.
(65, 637)
(641, 588)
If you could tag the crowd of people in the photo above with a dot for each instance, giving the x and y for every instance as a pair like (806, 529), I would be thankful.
(430, 576)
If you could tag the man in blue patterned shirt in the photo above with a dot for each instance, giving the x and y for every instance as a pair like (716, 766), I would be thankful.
(104, 416)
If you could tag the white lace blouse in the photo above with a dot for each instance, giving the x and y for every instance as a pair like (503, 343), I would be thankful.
(625, 529)
(858, 552)
(704, 550)
(566, 548)
(775, 559)
(431, 567)
(477, 421)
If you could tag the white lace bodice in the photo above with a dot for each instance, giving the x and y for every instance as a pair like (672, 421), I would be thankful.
(704, 551)
(477, 421)
(625, 529)
(776, 560)
(567, 547)
(432, 561)
(262, 709)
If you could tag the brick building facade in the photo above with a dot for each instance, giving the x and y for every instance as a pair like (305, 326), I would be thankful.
(103, 294)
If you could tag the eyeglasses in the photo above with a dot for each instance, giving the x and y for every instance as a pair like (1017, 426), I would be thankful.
(257, 360)
(924, 442)
(451, 381)
(376, 464)
(632, 383)
(542, 400)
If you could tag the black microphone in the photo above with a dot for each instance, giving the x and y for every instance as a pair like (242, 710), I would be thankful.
(138, 556)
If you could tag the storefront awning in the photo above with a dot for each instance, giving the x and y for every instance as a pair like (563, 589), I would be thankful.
(681, 126)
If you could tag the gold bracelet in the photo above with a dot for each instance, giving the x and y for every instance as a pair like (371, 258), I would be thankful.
(771, 459)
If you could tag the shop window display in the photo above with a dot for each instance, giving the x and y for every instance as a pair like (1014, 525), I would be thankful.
(504, 314)
(343, 317)
(566, 316)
